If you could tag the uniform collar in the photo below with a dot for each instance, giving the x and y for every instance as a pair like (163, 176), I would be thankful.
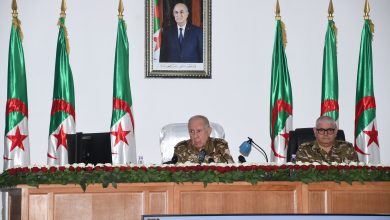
(206, 146)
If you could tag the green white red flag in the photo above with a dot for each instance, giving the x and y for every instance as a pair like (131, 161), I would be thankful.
(123, 147)
(366, 133)
(330, 84)
(16, 139)
(281, 105)
(63, 116)
(156, 32)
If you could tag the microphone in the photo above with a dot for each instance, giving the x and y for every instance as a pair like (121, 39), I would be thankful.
(211, 160)
(246, 147)
(172, 161)
(241, 159)
(202, 155)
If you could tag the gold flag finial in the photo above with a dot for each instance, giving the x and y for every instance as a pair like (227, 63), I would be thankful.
(330, 10)
(366, 10)
(61, 23)
(63, 8)
(15, 20)
(277, 11)
(120, 9)
(282, 26)
(14, 7)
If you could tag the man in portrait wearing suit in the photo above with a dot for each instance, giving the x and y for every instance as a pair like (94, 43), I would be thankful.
(182, 43)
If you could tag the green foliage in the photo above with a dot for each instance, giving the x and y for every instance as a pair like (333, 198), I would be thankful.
(114, 175)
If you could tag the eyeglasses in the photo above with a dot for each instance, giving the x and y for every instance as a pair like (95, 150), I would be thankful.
(325, 131)
(198, 131)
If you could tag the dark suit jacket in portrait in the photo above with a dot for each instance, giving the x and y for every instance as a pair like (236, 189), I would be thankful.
(191, 50)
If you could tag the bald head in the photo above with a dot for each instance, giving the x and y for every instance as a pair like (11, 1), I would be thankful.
(326, 119)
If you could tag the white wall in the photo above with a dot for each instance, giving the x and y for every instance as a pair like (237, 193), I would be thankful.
(237, 96)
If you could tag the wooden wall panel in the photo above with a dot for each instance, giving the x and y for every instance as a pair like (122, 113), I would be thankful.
(117, 205)
(72, 206)
(39, 207)
(361, 202)
(237, 198)
(317, 202)
(365, 198)
(158, 203)
(99, 206)
(237, 202)
(130, 201)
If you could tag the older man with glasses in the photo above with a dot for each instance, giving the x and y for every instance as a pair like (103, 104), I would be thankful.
(326, 148)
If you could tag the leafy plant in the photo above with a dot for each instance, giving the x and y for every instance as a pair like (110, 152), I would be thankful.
(107, 174)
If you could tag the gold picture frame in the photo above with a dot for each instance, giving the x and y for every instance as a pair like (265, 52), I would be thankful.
(160, 24)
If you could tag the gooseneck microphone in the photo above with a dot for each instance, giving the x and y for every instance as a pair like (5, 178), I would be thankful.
(173, 160)
(241, 159)
(246, 147)
(202, 155)
(258, 147)
(221, 153)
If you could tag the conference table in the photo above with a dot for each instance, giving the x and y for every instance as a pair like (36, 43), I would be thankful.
(131, 200)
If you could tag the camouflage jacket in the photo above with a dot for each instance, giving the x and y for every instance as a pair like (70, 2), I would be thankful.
(216, 148)
(340, 152)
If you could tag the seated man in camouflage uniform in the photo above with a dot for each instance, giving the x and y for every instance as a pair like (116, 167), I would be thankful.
(213, 149)
(326, 148)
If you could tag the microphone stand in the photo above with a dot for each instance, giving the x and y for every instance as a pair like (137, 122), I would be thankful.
(220, 153)
(259, 149)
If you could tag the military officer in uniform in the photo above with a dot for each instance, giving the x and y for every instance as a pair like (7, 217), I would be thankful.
(201, 148)
(326, 148)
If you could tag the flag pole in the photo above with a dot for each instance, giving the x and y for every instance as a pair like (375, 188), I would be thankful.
(63, 9)
(279, 18)
(280, 94)
(330, 10)
(366, 10)
(63, 114)
(122, 122)
(63, 15)
(14, 7)
(15, 20)
(120, 9)
(330, 17)
(277, 11)
(367, 15)
(4, 196)
(366, 133)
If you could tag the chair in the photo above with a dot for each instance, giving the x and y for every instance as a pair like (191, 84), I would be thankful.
(302, 135)
(172, 134)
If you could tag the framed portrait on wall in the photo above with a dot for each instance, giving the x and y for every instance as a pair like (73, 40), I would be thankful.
(178, 38)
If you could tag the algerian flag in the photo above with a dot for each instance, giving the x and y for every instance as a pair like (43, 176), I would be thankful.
(330, 84)
(366, 133)
(122, 121)
(156, 32)
(281, 105)
(16, 139)
(62, 120)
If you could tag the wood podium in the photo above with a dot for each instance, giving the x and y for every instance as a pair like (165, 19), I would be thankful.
(131, 200)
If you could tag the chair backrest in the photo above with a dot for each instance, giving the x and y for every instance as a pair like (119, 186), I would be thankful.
(172, 134)
(302, 135)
